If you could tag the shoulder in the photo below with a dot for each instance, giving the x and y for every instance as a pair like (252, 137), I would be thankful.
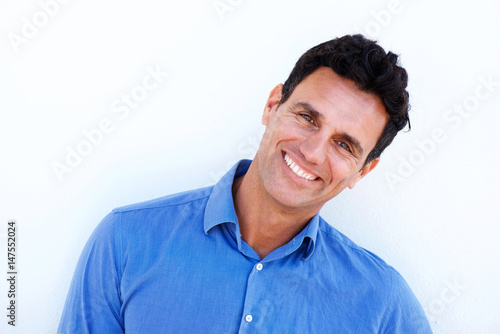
(335, 241)
(147, 227)
(363, 267)
(181, 212)
(402, 311)
(172, 200)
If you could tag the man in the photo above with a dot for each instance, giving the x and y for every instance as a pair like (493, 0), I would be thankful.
(251, 254)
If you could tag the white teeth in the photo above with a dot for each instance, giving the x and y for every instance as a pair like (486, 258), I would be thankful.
(297, 170)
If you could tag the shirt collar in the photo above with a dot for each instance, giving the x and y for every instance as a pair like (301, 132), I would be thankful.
(220, 209)
(311, 232)
(220, 205)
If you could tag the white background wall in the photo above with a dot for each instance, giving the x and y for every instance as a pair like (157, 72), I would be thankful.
(429, 209)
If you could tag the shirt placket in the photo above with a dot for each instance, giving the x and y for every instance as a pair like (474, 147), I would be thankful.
(256, 304)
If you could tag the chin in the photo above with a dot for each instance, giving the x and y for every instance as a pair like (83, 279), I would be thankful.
(289, 200)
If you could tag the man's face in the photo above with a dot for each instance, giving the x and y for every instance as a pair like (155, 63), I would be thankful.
(316, 143)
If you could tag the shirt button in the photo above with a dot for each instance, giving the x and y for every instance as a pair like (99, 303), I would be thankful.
(259, 266)
(248, 318)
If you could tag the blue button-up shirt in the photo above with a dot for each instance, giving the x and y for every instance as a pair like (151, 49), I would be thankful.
(178, 264)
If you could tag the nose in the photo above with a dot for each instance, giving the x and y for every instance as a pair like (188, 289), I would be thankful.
(314, 148)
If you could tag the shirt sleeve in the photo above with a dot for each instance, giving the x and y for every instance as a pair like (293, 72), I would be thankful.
(405, 314)
(93, 303)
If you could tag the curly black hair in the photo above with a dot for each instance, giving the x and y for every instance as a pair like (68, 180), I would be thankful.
(371, 69)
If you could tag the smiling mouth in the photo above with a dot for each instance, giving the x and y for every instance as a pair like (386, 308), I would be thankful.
(296, 169)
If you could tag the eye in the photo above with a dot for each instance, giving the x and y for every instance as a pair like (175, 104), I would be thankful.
(308, 118)
(344, 146)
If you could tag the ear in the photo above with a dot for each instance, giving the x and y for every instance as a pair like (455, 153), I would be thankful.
(272, 103)
(367, 169)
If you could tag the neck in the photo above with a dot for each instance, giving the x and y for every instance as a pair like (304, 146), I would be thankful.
(264, 223)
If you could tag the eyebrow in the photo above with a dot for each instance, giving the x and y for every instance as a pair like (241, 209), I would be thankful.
(354, 142)
(310, 109)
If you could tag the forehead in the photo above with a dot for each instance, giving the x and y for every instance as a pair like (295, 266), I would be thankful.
(341, 104)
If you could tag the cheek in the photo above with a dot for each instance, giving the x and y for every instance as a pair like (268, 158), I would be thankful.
(294, 131)
(283, 131)
(341, 168)
(267, 138)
